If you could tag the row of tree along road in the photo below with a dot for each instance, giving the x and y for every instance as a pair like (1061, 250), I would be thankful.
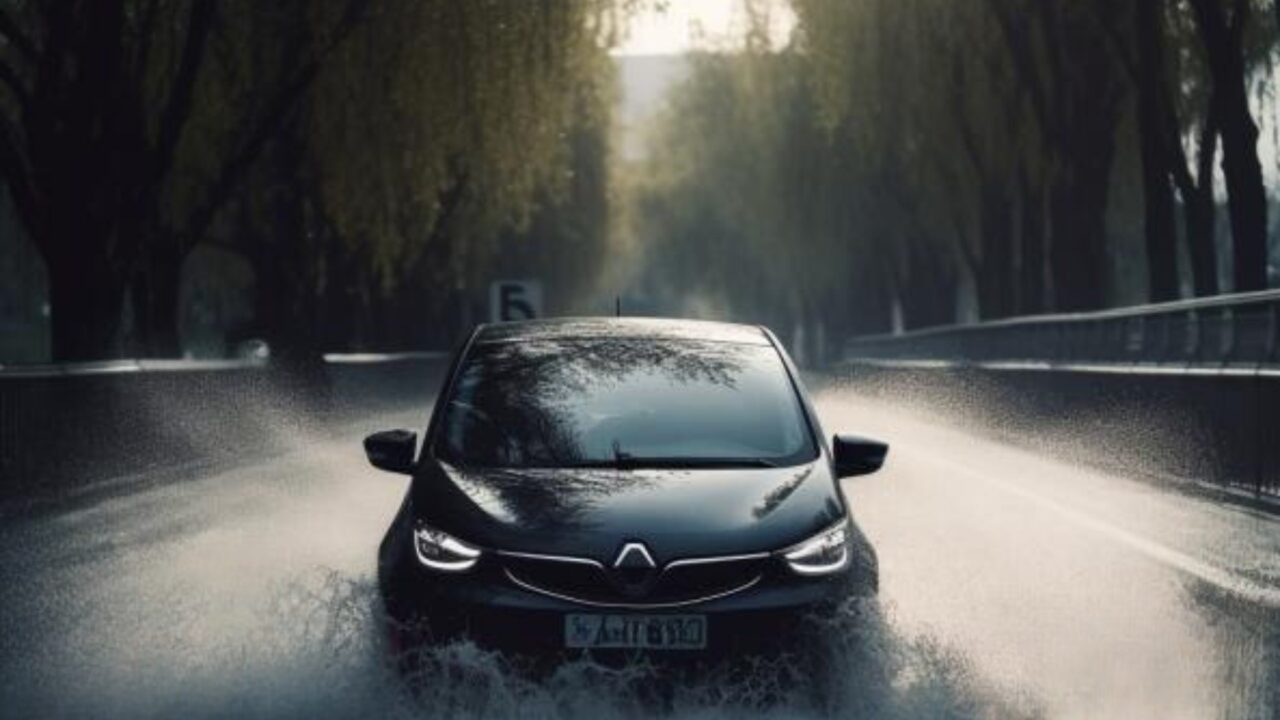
(903, 163)
(375, 163)
(365, 158)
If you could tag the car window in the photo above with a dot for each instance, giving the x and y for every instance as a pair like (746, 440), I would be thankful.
(633, 402)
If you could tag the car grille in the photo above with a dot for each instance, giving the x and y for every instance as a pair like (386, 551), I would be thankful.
(682, 582)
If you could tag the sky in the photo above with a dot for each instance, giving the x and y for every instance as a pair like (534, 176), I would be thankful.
(685, 25)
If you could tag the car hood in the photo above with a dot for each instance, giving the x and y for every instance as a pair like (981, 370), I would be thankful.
(591, 512)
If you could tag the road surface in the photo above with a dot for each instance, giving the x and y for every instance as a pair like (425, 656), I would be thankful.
(1013, 585)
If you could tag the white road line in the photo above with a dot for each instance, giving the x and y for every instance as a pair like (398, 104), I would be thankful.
(1115, 368)
(372, 358)
(1222, 579)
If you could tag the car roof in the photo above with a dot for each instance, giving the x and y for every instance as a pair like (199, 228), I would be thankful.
(623, 328)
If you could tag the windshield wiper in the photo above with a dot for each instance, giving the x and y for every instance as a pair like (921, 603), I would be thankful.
(624, 461)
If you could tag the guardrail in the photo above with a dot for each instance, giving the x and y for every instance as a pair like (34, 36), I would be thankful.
(1187, 390)
(114, 367)
(1229, 331)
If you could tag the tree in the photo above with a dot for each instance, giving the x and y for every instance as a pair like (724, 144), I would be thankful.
(90, 130)
(266, 58)
(1157, 140)
(1076, 92)
(1223, 36)
(99, 98)
(938, 101)
(133, 130)
(441, 127)
(1191, 109)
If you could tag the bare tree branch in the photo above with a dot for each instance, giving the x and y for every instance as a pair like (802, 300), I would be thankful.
(178, 108)
(269, 122)
(1024, 63)
(18, 39)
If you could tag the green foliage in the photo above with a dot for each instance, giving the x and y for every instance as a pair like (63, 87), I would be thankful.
(321, 139)
(929, 160)
(446, 113)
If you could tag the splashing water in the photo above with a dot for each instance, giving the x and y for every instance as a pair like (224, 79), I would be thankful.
(320, 652)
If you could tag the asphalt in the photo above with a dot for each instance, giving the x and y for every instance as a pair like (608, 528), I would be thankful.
(1013, 585)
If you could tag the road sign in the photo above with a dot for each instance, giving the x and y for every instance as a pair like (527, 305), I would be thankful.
(515, 300)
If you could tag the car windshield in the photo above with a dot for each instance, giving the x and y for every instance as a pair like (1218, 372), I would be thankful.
(633, 402)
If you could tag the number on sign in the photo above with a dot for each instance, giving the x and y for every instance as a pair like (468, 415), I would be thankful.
(515, 300)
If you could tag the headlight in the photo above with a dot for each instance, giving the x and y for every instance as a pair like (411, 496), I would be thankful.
(441, 551)
(822, 554)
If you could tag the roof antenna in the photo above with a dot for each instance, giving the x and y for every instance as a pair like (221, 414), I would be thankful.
(617, 306)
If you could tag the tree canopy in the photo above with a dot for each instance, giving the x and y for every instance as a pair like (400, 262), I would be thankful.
(930, 161)
(362, 133)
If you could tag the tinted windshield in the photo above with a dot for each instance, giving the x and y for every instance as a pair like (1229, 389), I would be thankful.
(624, 402)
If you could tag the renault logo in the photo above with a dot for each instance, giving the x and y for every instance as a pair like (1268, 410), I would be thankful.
(634, 570)
(634, 556)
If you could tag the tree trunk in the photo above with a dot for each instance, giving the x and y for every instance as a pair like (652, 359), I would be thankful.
(1246, 194)
(283, 257)
(1246, 200)
(1158, 225)
(931, 300)
(284, 315)
(157, 302)
(1031, 255)
(1198, 203)
(1078, 228)
(995, 277)
(874, 292)
(86, 297)
(1200, 216)
(1201, 211)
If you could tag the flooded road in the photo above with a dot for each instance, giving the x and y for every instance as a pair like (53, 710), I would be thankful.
(1095, 595)
(1013, 585)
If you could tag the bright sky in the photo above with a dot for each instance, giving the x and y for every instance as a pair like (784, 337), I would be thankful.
(699, 25)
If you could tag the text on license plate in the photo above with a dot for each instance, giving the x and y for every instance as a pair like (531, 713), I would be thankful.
(667, 632)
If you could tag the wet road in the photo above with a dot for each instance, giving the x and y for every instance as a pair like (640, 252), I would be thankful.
(1012, 585)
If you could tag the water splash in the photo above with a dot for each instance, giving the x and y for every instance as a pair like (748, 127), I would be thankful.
(319, 652)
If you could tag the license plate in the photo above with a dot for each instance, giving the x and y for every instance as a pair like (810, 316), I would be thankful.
(654, 632)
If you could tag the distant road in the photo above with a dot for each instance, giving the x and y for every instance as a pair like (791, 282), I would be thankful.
(1011, 584)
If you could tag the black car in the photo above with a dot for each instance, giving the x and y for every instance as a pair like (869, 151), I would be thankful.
(615, 484)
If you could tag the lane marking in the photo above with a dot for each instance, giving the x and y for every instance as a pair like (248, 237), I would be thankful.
(1117, 368)
(1218, 577)
(374, 358)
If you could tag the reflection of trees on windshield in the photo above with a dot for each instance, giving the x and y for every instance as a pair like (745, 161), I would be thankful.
(520, 403)
(543, 498)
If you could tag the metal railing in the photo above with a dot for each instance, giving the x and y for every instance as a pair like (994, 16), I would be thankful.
(1228, 331)
(131, 365)
(1199, 378)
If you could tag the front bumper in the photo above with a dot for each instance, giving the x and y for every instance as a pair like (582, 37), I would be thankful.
(775, 616)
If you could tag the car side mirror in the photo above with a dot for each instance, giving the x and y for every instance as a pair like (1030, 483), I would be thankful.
(392, 450)
(857, 455)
